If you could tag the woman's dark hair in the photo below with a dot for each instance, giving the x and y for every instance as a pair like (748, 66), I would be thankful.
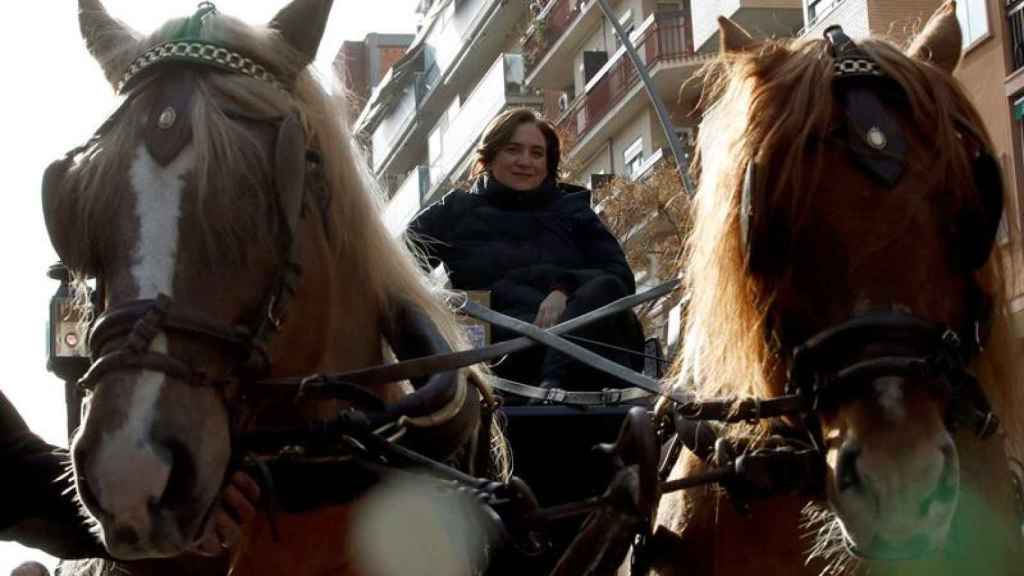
(501, 130)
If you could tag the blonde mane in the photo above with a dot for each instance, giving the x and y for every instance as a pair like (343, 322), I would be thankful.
(773, 105)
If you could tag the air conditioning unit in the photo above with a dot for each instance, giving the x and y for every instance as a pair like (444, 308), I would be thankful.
(563, 102)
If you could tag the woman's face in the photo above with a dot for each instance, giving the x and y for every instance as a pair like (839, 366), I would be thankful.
(522, 163)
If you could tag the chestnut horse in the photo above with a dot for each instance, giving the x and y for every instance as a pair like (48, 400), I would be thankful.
(851, 184)
(234, 233)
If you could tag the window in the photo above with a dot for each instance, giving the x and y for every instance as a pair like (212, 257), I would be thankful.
(633, 159)
(600, 180)
(973, 17)
(1015, 25)
(816, 8)
(593, 61)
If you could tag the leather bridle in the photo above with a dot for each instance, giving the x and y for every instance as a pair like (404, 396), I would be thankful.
(120, 337)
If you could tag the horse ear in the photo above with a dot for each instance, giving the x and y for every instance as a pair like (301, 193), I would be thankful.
(732, 37)
(105, 37)
(941, 40)
(302, 24)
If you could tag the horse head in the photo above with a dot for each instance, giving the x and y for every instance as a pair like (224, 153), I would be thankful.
(843, 252)
(211, 224)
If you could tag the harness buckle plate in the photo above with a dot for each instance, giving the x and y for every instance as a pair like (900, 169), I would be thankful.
(611, 395)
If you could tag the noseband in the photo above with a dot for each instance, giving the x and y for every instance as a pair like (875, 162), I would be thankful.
(835, 365)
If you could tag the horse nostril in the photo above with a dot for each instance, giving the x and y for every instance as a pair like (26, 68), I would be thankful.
(948, 485)
(846, 468)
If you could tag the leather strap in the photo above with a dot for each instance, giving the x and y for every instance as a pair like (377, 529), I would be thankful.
(604, 397)
(575, 351)
(331, 385)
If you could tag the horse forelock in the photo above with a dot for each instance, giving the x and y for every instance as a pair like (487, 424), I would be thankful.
(772, 106)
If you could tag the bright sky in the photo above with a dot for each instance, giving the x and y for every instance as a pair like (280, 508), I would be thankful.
(53, 97)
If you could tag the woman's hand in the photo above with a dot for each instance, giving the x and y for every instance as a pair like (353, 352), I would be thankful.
(551, 309)
(236, 508)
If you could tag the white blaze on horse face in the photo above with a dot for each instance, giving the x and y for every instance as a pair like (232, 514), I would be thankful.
(158, 192)
(142, 470)
(890, 397)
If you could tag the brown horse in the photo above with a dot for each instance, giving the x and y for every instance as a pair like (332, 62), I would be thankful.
(234, 234)
(850, 182)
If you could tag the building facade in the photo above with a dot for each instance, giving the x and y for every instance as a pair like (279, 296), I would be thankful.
(606, 119)
(361, 65)
(421, 122)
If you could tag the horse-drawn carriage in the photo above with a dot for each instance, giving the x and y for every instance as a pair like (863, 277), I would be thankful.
(846, 330)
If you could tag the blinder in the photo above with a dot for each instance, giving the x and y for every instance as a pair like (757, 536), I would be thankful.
(57, 196)
(979, 224)
(878, 147)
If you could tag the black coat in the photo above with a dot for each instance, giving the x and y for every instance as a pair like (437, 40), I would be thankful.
(519, 244)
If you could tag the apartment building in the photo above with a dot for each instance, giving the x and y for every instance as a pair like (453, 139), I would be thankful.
(992, 72)
(603, 112)
(594, 92)
(421, 122)
(362, 64)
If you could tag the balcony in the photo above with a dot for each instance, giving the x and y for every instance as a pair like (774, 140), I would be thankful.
(762, 18)
(407, 200)
(1015, 25)
(552, 44)
(615, 94)
(449, 64)
(393, 127)
(502, 87)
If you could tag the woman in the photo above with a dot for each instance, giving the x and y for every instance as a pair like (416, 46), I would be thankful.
(536, 245)
(37, 508)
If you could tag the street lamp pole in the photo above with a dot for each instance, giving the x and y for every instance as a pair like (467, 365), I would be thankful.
(682, 164)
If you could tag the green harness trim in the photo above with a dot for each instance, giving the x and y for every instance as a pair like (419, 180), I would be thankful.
(191, 30)
(187, 46)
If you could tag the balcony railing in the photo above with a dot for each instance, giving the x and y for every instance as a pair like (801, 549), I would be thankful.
(391, 129)
(548, 27)
(1015, 24)
(407, 200)
(426, 82)
(664, 40)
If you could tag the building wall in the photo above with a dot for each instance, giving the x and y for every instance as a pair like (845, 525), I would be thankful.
(362, 64)
(982, 72)
(639, 126)
(705, 17)
(600, 163)
(852, 15)
(597, 39)
(351, 66)
(388, 56)
(900, 20)
(609, 159)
